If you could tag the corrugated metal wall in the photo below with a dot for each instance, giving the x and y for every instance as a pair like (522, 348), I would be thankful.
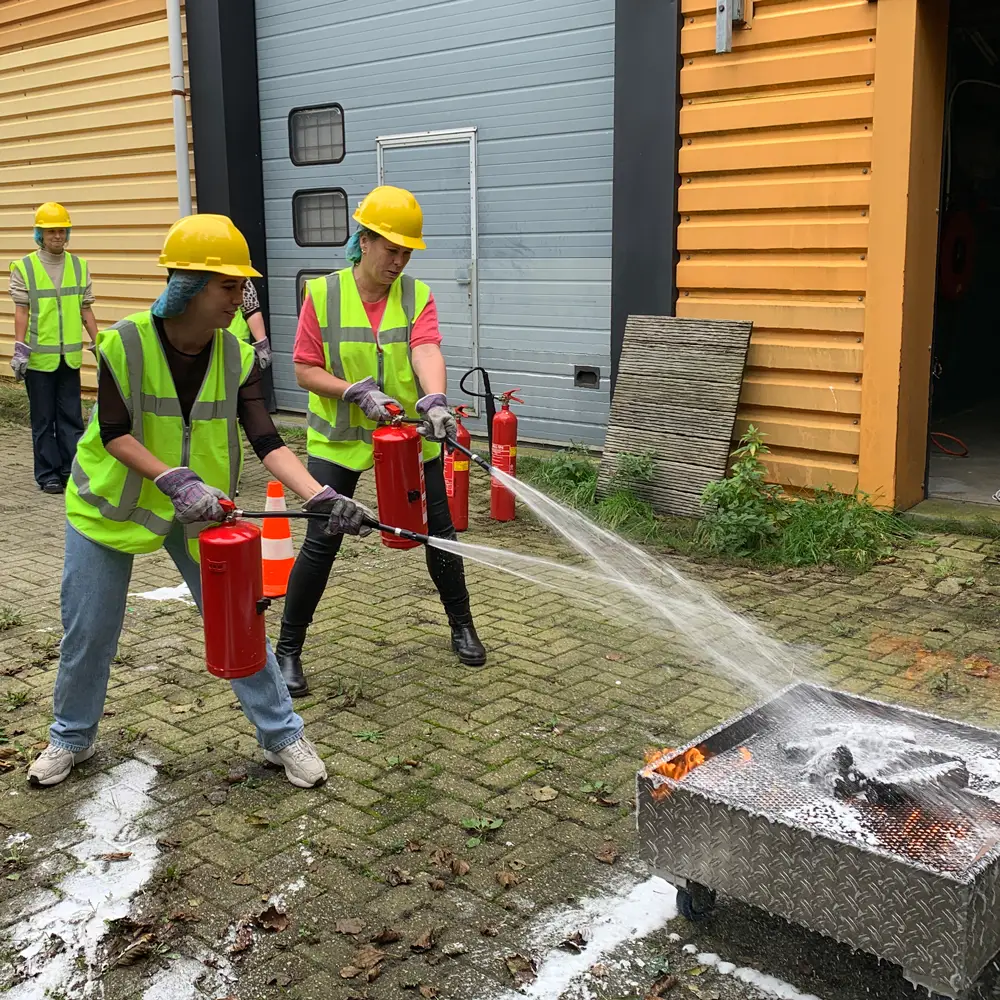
(85, 119)
(537, 82)
(775, 168)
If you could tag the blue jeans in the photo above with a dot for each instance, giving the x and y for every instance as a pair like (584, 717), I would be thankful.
(94, 591)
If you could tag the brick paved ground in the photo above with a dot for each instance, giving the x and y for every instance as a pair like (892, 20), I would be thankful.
(416, 744)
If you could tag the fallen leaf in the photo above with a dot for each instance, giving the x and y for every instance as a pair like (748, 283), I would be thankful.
(373, 973)
(217, 796)
(139, 949)
(436, 885)
(169, 844)
(558, 730)
(575, 943)
(977, 666)
(600, 800)
(255, 819)
(272, 919)
(349, 925)
(614, 657)
(386, 936)
(243, 879)
(507, 878)
(350, 972)
(662, 986)
(280, 979)
(429, 992)
(182, 709)
(243, 938)
(423, 942)
(697, 970)
(184, 917)
(489, 930)
(236, 775)
(413, 846)
(367, 957)
(522, 969)
(544, 794)
(442, 857)
(398, 876)
(115, 856)
(453, 949)
(599, 970)
(608, 854)
(459, 867)
(13, 877)
(7, 765)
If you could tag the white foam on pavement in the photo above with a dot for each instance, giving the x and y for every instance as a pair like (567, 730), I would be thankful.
(179, 593)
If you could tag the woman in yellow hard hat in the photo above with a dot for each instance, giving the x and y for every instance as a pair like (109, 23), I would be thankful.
(368, 339)
(162, 447)
(53, 297)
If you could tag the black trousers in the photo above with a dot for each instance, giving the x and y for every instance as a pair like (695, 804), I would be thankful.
(312, 567)
(56, 420)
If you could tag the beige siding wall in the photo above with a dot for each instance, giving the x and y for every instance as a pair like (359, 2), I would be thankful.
(86, 120)
(775, 168)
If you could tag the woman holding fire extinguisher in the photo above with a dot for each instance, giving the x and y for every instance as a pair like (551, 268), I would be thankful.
(162, 448)
(368, 343)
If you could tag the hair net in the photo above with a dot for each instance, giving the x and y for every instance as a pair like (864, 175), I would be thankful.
(182, 287)
(39, 236)
(353, 249)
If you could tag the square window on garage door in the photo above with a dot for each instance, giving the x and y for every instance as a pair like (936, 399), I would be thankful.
(316, 135)
(319, 218)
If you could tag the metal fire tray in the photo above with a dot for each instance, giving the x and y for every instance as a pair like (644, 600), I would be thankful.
(918, 887)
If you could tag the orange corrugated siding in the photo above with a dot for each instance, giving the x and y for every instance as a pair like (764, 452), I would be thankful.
(86, 119)
(775, 164)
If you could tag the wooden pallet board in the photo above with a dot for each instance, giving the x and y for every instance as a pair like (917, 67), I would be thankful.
(678, 387)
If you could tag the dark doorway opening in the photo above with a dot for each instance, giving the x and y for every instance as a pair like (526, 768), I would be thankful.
(964, 447)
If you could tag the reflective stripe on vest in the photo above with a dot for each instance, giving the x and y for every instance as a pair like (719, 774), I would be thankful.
(338, 431)
(54, 332)
(113, 505)
(240, 328)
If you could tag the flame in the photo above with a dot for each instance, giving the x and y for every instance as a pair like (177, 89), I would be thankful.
(657, 763)
(746, 755)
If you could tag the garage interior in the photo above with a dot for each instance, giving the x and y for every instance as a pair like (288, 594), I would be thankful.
(964, 439)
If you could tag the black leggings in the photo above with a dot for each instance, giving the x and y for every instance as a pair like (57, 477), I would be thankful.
(315, 560)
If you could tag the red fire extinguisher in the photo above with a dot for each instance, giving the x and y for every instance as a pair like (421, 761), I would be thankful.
(232, 598)
(504, 457)
(456, 474)
(399, 482)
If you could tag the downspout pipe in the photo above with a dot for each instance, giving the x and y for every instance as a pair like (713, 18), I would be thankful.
(177, 91)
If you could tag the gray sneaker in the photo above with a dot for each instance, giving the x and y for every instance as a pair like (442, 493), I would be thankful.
(53, 765)
(302, 763)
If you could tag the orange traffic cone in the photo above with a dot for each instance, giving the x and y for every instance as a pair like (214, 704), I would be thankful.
(277, 555)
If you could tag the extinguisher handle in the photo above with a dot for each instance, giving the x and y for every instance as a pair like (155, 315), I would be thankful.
(228, 507)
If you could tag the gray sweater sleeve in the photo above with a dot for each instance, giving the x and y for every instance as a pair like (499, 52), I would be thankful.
(18, 289)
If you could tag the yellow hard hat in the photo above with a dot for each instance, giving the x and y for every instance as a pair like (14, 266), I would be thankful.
(52, 215)
(395, 214)
(207, 243)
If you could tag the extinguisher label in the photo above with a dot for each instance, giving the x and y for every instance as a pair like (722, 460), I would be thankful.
(461, 466)
(503, 455)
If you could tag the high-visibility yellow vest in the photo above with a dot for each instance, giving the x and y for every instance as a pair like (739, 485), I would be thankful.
(116, 507)
(339, 431)
(55, 315)
(240, 328)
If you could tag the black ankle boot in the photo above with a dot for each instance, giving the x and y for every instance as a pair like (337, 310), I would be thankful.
(465, 642)
(289, 654)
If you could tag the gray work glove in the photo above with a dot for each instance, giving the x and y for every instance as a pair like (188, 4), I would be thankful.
(373, 402)
(193, 499)
(19, 363)
(438, 422)
(263, 349)
(347, 516)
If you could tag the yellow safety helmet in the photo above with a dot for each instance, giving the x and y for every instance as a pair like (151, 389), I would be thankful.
(395, 214)
(207, 243)
(52, 215)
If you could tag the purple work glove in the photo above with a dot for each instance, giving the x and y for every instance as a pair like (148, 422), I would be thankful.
(19, 363)
(193, 499)
(347, 516)
(438, 422)
(263, 349)
(373, 402)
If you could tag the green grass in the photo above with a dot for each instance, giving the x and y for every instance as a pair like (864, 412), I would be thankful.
(10, 617)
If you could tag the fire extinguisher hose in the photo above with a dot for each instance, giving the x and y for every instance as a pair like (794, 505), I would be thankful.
(388, 528)
(468, 452)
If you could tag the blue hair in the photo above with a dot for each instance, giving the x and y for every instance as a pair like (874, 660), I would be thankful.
(182, 287)
(39, 235)
(353, 249)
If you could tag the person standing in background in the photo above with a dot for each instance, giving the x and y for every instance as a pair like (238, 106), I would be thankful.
(53, 299)
(248, 325)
